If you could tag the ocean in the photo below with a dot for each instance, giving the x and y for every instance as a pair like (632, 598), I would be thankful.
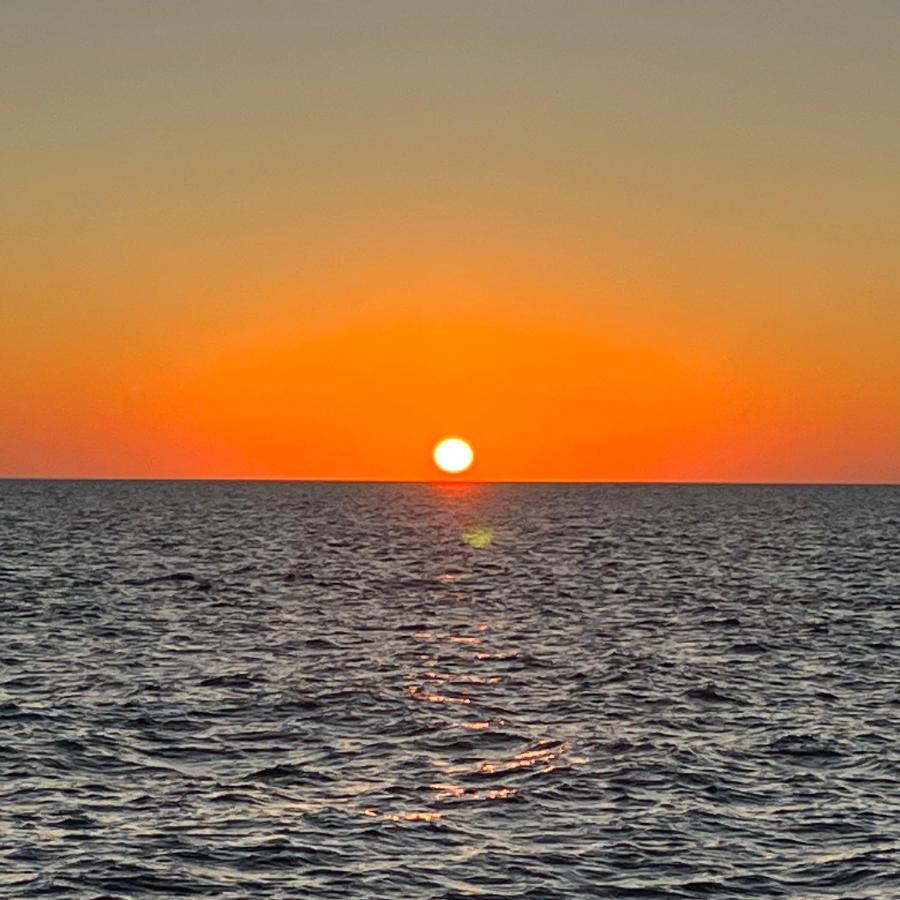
(259, 689)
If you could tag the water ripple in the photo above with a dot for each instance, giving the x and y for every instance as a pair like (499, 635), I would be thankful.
(335, 691)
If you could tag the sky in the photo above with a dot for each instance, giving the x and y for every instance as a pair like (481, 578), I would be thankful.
(615, 240)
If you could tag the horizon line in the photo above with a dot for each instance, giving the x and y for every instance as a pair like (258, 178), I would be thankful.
(443, 482)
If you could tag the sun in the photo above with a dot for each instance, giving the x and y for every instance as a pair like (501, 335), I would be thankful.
(453, 455)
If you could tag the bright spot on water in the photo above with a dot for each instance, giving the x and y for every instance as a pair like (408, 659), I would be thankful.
(478, 536)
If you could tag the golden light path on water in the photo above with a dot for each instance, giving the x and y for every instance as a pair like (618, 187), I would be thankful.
(448, 674)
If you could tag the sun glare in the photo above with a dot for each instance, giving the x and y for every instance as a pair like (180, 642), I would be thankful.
(453, 455)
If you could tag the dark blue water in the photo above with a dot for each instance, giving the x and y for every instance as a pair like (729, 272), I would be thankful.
(292, 690)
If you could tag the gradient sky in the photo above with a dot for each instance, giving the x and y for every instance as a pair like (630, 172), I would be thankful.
(602, 240)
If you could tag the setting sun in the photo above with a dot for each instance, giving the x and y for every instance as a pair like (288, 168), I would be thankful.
(453, 455)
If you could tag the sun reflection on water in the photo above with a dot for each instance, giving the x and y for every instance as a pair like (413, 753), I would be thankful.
(428, 817)
(463, 654)
(542, 755)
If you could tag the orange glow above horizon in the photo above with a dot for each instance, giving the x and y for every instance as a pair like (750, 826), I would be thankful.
(541, 401)
(660, 249)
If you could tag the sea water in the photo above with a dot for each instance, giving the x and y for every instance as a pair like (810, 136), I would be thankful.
(425, 691)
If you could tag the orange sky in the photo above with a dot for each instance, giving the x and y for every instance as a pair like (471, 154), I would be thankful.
(302, 240)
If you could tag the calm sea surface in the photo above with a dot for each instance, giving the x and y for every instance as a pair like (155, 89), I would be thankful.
(411, 691)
